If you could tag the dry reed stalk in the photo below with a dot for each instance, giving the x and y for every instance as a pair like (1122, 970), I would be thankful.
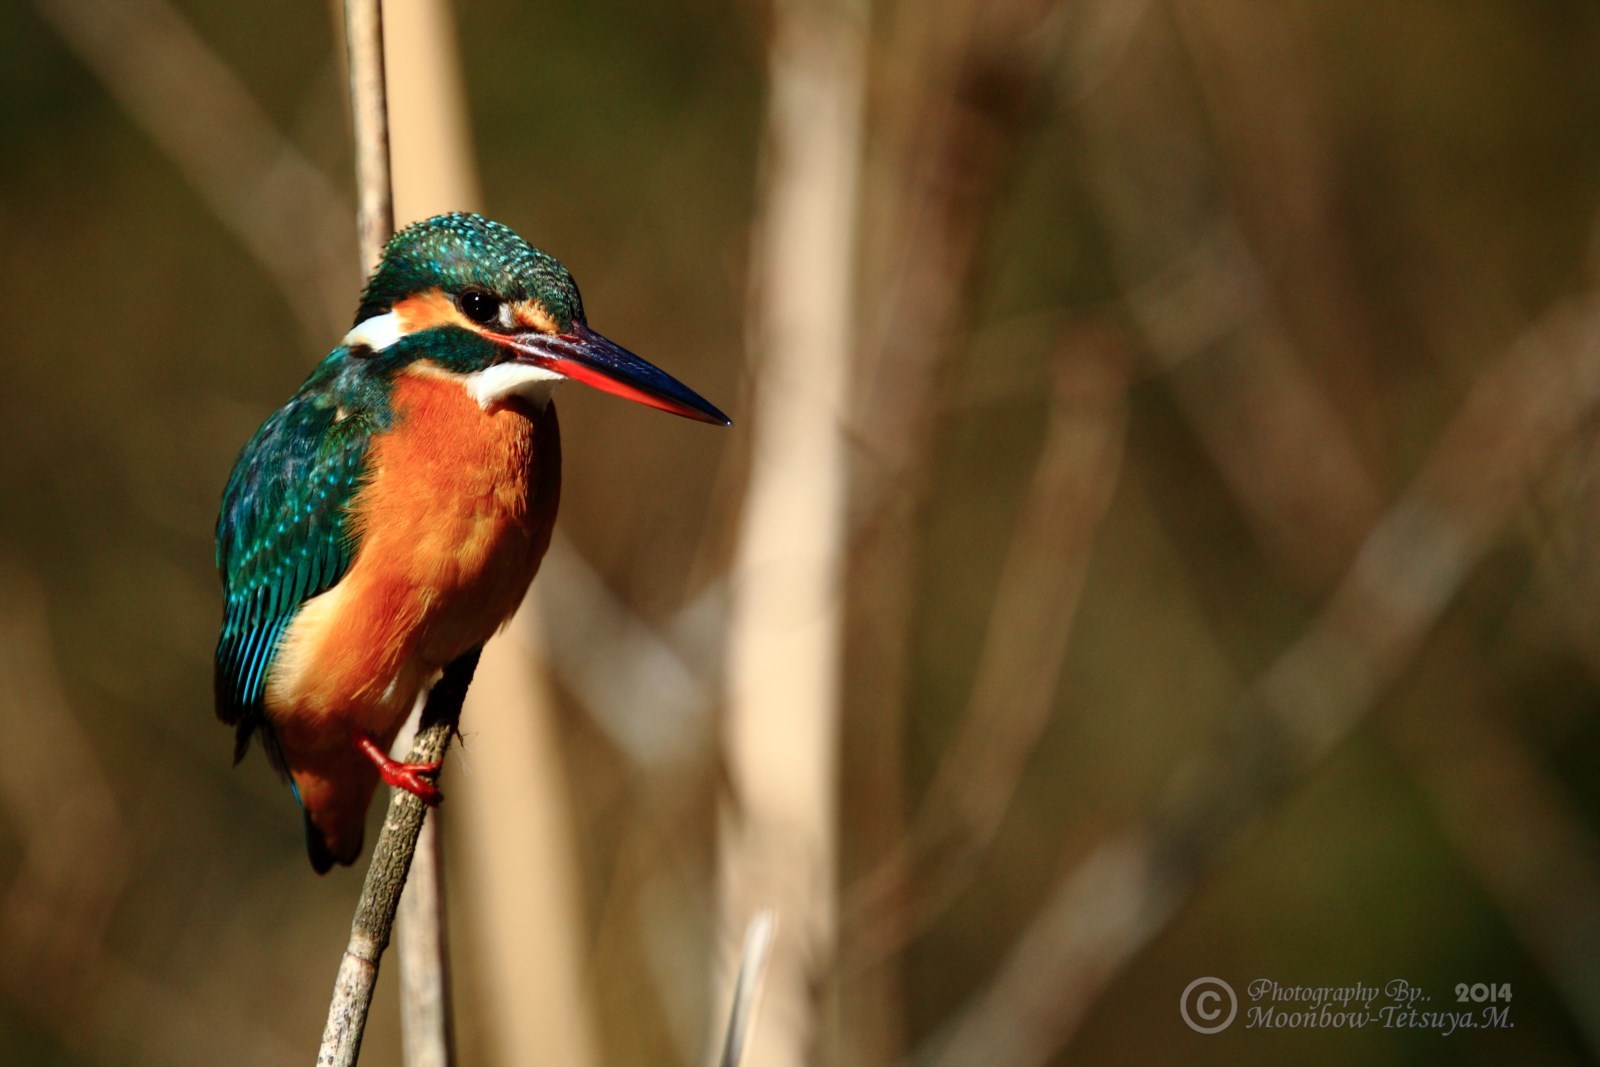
(778, 847)
(426, 990)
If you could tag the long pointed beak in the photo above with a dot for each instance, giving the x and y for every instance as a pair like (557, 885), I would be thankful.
(585, 356)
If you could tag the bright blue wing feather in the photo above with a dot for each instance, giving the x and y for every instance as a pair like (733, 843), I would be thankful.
(283, 537)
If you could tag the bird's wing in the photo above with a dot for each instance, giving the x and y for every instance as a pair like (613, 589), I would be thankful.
(283, 536)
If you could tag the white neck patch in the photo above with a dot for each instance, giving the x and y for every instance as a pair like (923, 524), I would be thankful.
(522, 380)
(376, 333)
(488, 387)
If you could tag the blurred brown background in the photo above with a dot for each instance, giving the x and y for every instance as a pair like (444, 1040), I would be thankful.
(1157, 539)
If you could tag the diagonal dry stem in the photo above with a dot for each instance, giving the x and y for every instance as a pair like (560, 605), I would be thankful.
(1030, 626)
(193, 106)
(1407, 570)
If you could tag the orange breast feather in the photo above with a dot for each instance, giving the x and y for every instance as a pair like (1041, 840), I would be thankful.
(453, 522)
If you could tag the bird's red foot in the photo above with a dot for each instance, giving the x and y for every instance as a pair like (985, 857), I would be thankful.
(412, 777)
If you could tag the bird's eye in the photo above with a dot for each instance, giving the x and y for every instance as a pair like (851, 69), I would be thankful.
(479, 306)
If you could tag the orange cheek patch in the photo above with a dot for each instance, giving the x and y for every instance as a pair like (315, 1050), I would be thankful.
(426, 310)
(531, 315)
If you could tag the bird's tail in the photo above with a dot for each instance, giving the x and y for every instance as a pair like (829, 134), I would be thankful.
(322, 856)
(336, 812)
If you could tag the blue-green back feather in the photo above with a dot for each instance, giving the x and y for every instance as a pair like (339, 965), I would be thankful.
(284, 534)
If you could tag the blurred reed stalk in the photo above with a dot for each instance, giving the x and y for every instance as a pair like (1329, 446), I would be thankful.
(425, 1006)
(195, 108)
(523, 958)
(962, 105)
(1282, 448)
(1019, 667)
(753, 962)
(425, 1017)
(369, 108)
(778, 827)
(1408, 569)
(1300, 472)
(73, 864)
(414, 43)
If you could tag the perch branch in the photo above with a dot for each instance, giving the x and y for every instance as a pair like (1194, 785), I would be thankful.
(426, 1008)
(386, 877)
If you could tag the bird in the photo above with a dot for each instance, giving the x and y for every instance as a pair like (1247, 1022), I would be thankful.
(388, 519)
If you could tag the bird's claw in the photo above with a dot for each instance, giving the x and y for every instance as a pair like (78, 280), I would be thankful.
(414, 778)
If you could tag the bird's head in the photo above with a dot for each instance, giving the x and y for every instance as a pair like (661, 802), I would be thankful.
(474, 298)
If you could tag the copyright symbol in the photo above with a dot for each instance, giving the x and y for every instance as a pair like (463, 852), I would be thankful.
(1202, 1005)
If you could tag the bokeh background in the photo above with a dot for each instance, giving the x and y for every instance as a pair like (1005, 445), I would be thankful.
(1157, 539)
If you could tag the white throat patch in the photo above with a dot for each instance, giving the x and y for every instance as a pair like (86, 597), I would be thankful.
(376, 333)
(488, 387)
(522, 380)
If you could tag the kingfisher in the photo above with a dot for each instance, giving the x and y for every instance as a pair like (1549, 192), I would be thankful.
(387, 520)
